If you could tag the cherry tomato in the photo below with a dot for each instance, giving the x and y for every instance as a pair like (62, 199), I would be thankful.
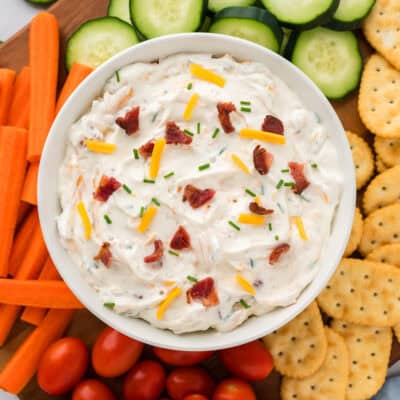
(145, 381)
(195, 397)
(181, 358)
(184, 381)
(91, 389)
(234, 389)
(62, 366)
(114, 353)
(251, 361)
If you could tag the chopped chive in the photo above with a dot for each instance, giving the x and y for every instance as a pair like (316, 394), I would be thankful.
(270, 226)
(156, 202)
(141, 212)
(169, 175)
(198, 128)
(189, 86)
(109, 305)
(289, 184)
(245, 103)
(188, 132)
(136, 154)
(222, 150)
(233, 225)
(204, 166)
(215, 133)
(245, 109)
(244, 304)
(249, 192)
(314, 165)
(174, 253)
(251, 263)
(192, 278)
(154, 117)
(280, 183)
(117, 77)
(149, 180)
(280, 208)
(127, 188)
(276, 237)
(107, 219)
(285, 171)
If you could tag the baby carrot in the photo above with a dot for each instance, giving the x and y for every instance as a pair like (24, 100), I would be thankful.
(19, 109)
(29, 190)
(7, 77)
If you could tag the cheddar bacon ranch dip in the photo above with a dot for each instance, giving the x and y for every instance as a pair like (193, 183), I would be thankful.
(197, 192)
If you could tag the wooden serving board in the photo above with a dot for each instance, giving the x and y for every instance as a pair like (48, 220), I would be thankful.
(14, 54)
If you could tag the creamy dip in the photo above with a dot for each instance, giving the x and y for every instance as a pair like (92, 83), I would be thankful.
(236, 255)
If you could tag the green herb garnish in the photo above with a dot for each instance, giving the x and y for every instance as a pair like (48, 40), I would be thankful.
(280, 184)
(285, 171)
(276, 237)
(136, 154)
(127, 188)
(188, 132)
(270, 226)
(154, 117)
(198, 128)
(245, 109)
(156, 202)
(141, 212)
(107, 219)
(192, 278)
(314, 165)
(189, 86)
(117, 77)
(233, 225)
(149, 180)
(244, 304)
(251, 263)
(289, 184)
(215, 133)
(169, 175)
(174, 253)
(204, 166)
(249, 192)
(245, 103)
(109, 305)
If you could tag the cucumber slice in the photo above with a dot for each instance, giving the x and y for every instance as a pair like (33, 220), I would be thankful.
(330, 58)
(218, 5)
(97, 40)
(250, 23)
(350, 14)
(155, 18)
(119, 9)
(302, 14)
(285, 40)
(41, 1)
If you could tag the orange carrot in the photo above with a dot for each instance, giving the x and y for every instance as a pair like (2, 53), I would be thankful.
(24, 363)
(19, 109)
(13, 142)
(7, 77)
(43, 61)
(35, 315)
(77, 74)
(29, 191)
(23, 211)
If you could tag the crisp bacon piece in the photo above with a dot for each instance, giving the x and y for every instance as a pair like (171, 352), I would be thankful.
(130, 122)
(297, 172)
(157, 253)
(197, 197)
(256, 209)
(104, 254)
(204, 291)
(175, 135)
(262, 160)
(277, 252)
(273, 124)
(106, 188)
(181, 239)
(224, 109)
(146, 150)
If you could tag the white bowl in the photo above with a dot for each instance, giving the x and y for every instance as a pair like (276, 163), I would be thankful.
(79, 102)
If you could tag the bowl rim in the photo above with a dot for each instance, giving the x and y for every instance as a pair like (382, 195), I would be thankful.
(137, 328)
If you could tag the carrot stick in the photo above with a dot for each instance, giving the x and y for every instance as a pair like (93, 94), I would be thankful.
(24, 363)
(43, 60)
(29, 190)
(77, 74)
(19, 109)
(7, 77)
(23, 211)
(13, 142)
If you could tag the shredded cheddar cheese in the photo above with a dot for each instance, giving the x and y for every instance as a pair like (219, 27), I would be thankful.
(148, 216)
(261, 135)
(155, 161)
(169, 283)
(100, 147)
(239, 163)
(251, 219)
(300, 227)
(172, 295)
(190, 106)
(245, 284)
(206, 75)
(85, 219)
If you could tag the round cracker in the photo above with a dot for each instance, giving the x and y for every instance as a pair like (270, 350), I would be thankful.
(388, 150)
(356, 233)
(383, 190)
(363, 158)
(389, 254)
(380, 165)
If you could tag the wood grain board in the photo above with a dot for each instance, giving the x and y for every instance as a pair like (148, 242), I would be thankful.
(14, 54)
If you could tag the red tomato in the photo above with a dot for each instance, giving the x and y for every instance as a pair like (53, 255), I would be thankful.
(62, 366)
(91, 389)
(234, 389)
(251, 361)
(195, 397)
(114, 353)
(184, 381)
(145, 381)
(181, 358)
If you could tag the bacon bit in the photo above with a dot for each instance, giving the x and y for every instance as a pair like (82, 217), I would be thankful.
(181, 239)
(146, 150)
(262, 160)
(224, 109)
(175, 135)
(106, 188)
(197, 197)
(273, 124)
(104, 254)
(204, 291)
(259, 210)
(297, 172)
(130, 122)
(157, 254)
(277, 252)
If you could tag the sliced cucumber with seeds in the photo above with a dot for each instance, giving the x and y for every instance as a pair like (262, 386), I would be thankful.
(155, 18)
(330, 58)
(302, 14)
(350, 14)
(41, 1)
(250, 23)
(218, 5)
(99, 39)
(119, 9)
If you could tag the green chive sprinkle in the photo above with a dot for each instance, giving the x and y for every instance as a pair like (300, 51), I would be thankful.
(107, 219)
(127, 188)
(270, 226)
(285, 171)
(156, 202)
(117, 76)
(174, 253)
(198, 128)
(222, 150)
(154, 117)
(192, 278)
(233, 225)
(188, 132)
(276, 237)
(289, 184)
(280, 183)
(245, 109)
(109, 305)
(314, 165)
(245, 103)
(280, 208)
(215, 133)
(244, 304)
(141, 212)
(204, 166)
(251, 263)
(189, 86)
(136, 154)
(149, 181)
(169, 175)
(249, 192)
